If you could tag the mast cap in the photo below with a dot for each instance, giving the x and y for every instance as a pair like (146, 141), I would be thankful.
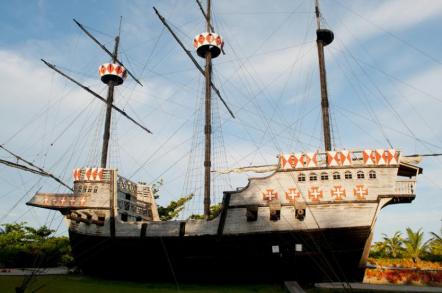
(208, 42)
(112, 72)
(325, 35)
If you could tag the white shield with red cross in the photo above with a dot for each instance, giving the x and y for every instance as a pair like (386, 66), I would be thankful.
(292, 195)
(269, 195)
(315, 194)
(338, 192)
(360, 192)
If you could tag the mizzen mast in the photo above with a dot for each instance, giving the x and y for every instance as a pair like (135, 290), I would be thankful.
(323, 38)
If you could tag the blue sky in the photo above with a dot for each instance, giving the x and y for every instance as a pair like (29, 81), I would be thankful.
(384, 71)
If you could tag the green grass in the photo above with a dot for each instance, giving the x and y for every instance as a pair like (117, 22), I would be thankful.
(82, 284)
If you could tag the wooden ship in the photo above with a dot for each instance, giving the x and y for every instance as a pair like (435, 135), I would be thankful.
(311, 219)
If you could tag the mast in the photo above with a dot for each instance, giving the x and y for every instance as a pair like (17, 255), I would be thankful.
(110, 101)
(323, 38)
(208, 120)
(208, 45)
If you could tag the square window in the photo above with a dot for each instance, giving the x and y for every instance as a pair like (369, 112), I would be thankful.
(275, 215)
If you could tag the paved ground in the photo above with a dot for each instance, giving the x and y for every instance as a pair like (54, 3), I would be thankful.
(29, 271)
(373, 287)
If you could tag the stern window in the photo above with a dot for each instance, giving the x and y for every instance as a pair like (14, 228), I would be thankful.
(372, 174)
(348, 175)
(360, 175)
(313, 177)
(336, 175)
(324, 176)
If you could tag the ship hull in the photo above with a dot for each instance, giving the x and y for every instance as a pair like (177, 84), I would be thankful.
(327, 255)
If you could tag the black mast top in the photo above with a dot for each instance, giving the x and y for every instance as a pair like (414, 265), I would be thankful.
(323, 38)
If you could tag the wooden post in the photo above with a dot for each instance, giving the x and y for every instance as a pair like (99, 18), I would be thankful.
(208, 123)
(323, 80)
(110, 101)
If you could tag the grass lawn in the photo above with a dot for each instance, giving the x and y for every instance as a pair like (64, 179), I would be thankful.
(77, 284)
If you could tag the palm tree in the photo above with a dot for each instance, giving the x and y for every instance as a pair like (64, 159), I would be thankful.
(393, 245)
(436, 244)
(415, 246)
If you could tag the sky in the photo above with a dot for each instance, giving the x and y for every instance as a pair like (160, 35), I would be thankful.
(384, 72)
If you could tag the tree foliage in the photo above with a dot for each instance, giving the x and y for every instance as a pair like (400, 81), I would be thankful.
(173, 209)
(411, 247)
(415, 247)
(393, 245)
(214, 212)
(435, 246)
(25, 246)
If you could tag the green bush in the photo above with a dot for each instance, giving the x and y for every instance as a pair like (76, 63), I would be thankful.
(24, 246)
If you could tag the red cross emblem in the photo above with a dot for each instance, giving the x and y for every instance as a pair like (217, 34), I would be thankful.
(62, 201)
(46, 200)
(338, 192)
(54, 201)
(72, 201)
(82, 200)
(292, 194)
(269, 194)
(315, 194)
(360, 192)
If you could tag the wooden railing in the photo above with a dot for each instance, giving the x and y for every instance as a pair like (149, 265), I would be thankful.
(405, 187)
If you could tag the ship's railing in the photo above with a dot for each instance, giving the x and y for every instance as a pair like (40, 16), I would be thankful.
(138, 208)
(341, 158)
(405, 187)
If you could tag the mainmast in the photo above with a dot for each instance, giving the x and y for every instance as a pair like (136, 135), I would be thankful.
(110, 100)
(208, 121)
(208, 46)
(323, 38)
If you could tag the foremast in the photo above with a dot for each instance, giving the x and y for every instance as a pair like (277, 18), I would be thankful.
(109, 101)
(323, 38)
